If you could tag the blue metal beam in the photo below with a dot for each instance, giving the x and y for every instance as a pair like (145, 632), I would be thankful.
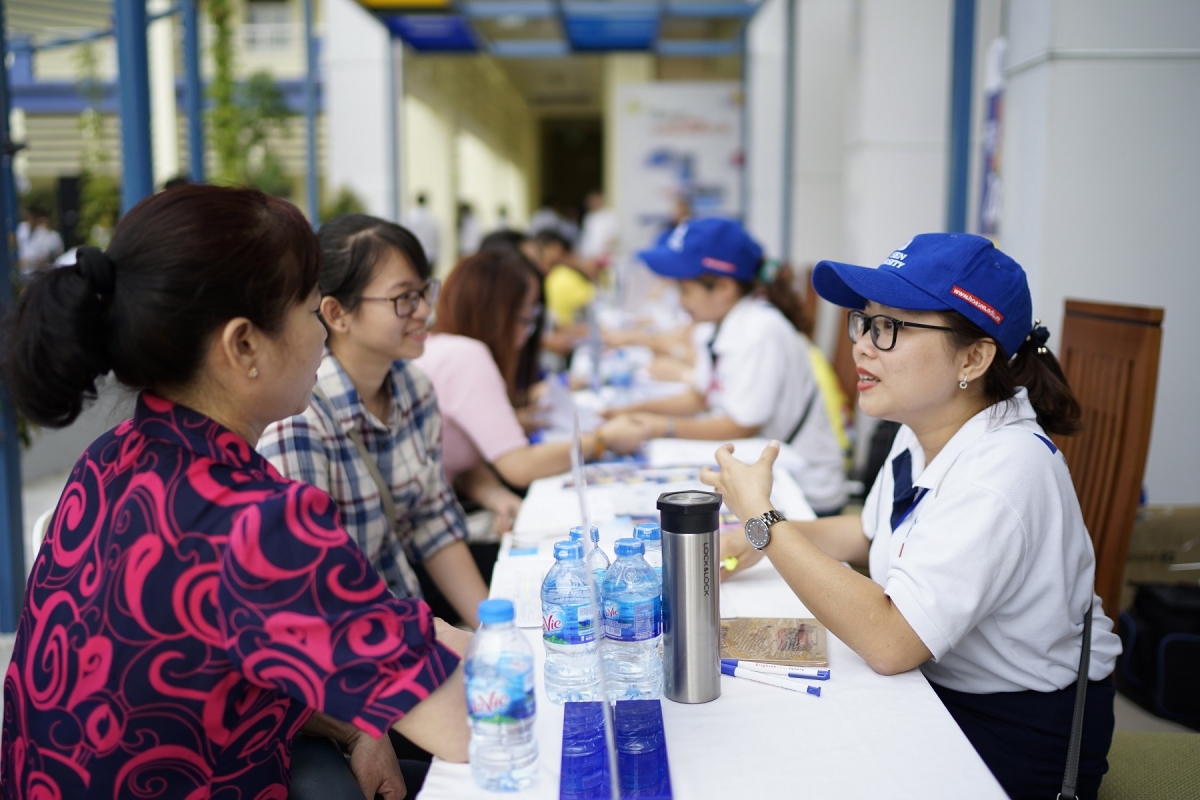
(962, 66)
(715, 10)
(529, 48)
(530, 9)
(310, 117)
(193, 91)
(610, 9)
(707, 48)
(133, 82)
(789, 131)
(63, 97)
(12, 529)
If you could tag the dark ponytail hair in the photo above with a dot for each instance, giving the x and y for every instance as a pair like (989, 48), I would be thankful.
(1034, 367)
(776, 283)
(181, 264)
(352, 245)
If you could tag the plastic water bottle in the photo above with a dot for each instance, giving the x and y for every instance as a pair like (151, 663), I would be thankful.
(632, 625)
(651, 537)
(597, 559)
(500, 702)
(569, 628)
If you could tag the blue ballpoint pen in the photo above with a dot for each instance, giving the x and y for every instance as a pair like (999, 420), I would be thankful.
(783, 670)
(771, 680)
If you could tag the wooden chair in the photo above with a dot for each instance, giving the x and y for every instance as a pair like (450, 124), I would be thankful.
(1110, 356)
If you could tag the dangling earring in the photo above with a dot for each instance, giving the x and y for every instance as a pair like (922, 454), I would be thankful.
(253, 372)
(962, 384)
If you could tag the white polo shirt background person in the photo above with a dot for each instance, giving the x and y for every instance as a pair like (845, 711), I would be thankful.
(981, 568)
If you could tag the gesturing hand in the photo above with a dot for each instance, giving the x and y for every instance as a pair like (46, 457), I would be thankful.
(746, 488)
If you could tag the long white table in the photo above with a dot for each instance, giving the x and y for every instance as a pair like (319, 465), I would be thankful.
(866, 736)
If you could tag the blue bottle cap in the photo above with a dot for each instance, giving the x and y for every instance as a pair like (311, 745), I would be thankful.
(630, 547)
(576, 533)
(595, 533)
(565, 551)
(647, 531)
(491, 611)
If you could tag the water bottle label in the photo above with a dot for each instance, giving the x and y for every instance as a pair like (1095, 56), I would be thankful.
(501, 698)
(568, 624)
(632, 621)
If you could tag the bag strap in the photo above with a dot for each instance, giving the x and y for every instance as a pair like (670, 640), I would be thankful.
(1072, 772)
(385, 491)
(808, 407)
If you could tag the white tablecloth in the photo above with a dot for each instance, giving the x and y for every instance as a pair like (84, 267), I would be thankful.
(866, 736)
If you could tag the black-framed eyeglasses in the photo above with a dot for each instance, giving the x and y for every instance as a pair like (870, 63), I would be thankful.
(406, 304)
(884, 329)
(531, 320)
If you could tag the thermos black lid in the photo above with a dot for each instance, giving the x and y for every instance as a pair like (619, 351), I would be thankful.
(689, 512)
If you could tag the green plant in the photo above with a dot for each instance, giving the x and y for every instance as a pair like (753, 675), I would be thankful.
(345, 201)
(99, 189)
(243, 117)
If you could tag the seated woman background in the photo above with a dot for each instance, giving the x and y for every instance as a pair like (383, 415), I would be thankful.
(372, 433)
(485, 314)
(981, 568)
(190, 609)
(755, 377)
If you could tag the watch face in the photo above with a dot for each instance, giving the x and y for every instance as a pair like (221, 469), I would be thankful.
(757, 533)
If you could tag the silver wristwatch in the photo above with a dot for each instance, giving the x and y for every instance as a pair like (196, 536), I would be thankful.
(758, 529)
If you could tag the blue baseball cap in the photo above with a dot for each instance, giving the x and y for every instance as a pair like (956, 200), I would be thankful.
(940, 272)
(710, 246)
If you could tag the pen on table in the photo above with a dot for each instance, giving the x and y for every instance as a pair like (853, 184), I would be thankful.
(770, 680)
(782, 670)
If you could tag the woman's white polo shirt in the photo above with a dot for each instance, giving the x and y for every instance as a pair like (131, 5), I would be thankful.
(993, 568)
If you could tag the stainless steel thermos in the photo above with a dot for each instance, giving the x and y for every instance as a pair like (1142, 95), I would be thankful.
(690, 601)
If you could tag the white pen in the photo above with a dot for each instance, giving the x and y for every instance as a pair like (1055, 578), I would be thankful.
(810, 673)
(770, 680)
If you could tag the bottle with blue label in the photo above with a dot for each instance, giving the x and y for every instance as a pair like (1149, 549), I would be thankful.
(569, 628)
(650, 535)
(596, 559)
(501, 708)
(632, 625)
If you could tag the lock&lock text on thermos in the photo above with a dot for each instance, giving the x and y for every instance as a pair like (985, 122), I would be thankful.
(690, 599)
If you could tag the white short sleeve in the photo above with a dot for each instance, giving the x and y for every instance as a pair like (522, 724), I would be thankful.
(751, 379)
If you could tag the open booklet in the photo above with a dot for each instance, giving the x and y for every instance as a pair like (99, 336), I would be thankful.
(775, 640)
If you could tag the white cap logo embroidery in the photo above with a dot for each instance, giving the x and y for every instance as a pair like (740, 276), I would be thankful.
(896, 259)
(675, 242)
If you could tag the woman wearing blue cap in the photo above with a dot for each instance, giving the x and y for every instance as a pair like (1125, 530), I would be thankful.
(981, 567)
(754, 378)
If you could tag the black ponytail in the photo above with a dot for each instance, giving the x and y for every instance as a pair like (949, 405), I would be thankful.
(181, 264)
(58, 338)
(777, 283)
(1033, 367)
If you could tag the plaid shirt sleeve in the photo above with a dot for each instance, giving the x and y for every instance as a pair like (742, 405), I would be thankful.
(295, 447)
(438, 520)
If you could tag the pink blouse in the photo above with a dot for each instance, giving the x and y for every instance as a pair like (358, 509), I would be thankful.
(478, 419)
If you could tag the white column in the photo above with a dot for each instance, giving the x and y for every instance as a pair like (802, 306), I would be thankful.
(619, 69)
(356, 94)
(765, 68)
(896, 157)
(164, 133)
(1101, 188)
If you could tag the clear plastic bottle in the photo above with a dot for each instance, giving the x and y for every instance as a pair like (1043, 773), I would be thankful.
(632, 626)
(650, 535)
(569, 628)
(501, 708)
(597, 559)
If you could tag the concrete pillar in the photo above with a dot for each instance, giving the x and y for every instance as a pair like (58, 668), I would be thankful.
(356, 89)
(619, 69)
(1100, 170)
(160, 41)
(896, 138)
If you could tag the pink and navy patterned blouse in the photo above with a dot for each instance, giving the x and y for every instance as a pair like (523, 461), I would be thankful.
(188, 612)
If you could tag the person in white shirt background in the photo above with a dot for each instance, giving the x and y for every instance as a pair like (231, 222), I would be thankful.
(420, 220)
(601, 230)
(38, 245)
(754, 376)
(982, 571)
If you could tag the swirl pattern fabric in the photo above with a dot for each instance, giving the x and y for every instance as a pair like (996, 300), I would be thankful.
(188, 611)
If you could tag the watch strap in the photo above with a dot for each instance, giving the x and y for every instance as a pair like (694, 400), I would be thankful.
(771, 517)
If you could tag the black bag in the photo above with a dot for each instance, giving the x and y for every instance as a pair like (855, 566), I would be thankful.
(1160, 668)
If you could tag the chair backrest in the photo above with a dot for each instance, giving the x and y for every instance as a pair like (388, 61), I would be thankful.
(1110, 356)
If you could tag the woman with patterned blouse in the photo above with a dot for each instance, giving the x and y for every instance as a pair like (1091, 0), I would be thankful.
(191, 610)
(373, 423)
